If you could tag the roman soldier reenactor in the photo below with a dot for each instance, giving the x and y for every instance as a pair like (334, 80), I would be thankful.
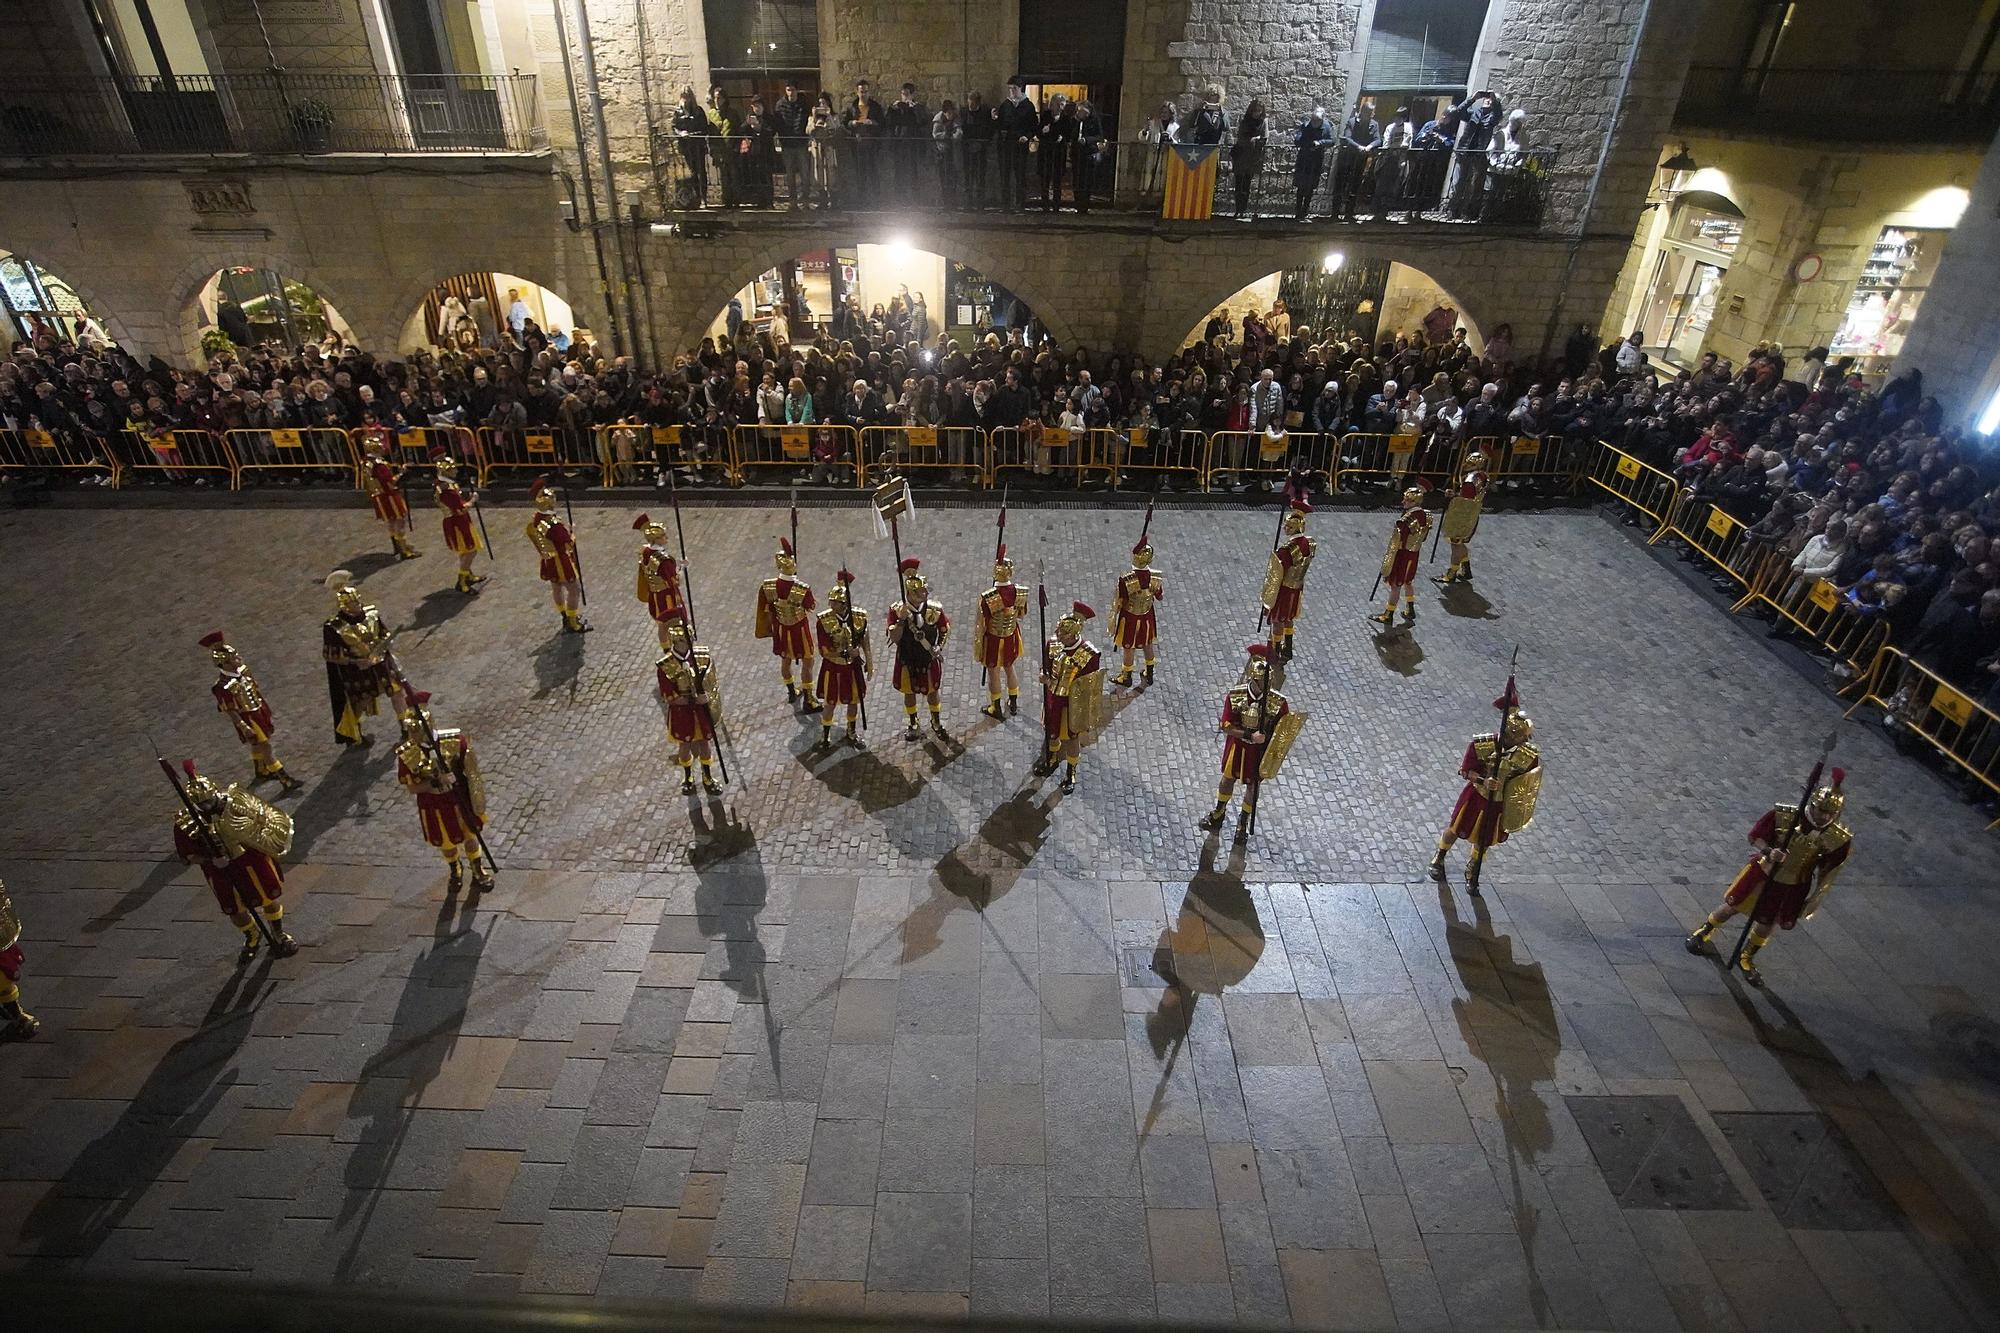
(846, 660)
(1503, 779)
(785, 609)
(918, 627)
(1134, 620)
(659, 582)
(356, 647)
(1798, 857)
(1072, 693)
(16, 1023)
(237, 695)
(1405, 554)
(1461, 519)
(439, 768)
(460, 537)
(1285, 576)
(690, 692)
(562, 568)
(1259, 725)
(382, 481)
(237, 841)
(996, 637)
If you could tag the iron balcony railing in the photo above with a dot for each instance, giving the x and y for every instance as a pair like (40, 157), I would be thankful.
(757, 171)
(1851, 104)
(270, 113)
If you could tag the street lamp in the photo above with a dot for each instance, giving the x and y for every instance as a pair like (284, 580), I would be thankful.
(1675, 172)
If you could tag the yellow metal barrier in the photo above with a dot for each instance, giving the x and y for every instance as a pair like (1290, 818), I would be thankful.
(1546, 465)
(625, 450)
(1912, 696)
(1247, 457)
(1040, 451)
(1816, 608)
(1717, 536)
(532, 449)
(412, 445)
(1644, 487)
(178, 455)
(323, 449)
(822, 453)
(1139, 452)
(629, 450)
(53, 451)
(1389, 461)
(957, 451)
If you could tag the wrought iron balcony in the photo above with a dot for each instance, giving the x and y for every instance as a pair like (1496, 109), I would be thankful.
(270, 114)
(1850, 104)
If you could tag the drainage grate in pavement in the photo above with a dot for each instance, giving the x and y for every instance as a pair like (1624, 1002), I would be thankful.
(1808, 1172)
(1652, 1155)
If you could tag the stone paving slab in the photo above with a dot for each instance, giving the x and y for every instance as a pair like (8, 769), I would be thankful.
(892, 1032)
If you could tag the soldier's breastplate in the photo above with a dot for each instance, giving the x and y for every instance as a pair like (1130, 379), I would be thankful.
(790, 608)
(1801, 855)
(1002, 618)
(839, 644)
(538, 533)
(1295, 571)
(1138, 597)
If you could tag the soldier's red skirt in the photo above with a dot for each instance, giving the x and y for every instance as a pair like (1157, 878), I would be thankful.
(390, 505)
(1285, 608)
(444, 818)
(560, 567)
(11, 959)
(1768, 903)
(247, 881)
(996, 652)
(1240, 760)
(1476, 819)
(841, 684)
(664, 605)
(256, 726)
(689, 722)
(791, 640)
(1403, 568)
(1055, 718)
(1132, 631)
(458, 534)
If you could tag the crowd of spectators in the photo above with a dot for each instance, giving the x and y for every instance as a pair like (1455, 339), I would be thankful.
(1473, 160)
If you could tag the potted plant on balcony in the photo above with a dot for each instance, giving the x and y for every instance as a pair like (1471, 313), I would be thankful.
(312, 122)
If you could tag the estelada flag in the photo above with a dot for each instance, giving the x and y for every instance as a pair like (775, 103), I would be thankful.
(1190, 181)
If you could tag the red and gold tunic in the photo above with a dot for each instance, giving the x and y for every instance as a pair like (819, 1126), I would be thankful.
(1068, 689)
(556, 544)
(784, 616)
(997, 642)
(1461, 514)
(1289, 563)
(236, 694)
(459, 536)
(448, 817)
(659, 583)
(239, 882)
(1477, 816)
(384, 484)
(841, 677)
(920, 648)
(1406, 546)
(1249, 713)
(688, 689)
(1134, 623)
(1778, 893)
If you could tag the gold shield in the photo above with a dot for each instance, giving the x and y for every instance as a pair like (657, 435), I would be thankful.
(465, 764)
(763, 627)
(10, 921)
(1523, 778)
(1086, 703)
(1461, 518)
(1274, 578)
(249, 821)
(1280, 744)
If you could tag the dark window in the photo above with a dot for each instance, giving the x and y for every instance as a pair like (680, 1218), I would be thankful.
(1073, 41)
(1422, 45)
(778, 35)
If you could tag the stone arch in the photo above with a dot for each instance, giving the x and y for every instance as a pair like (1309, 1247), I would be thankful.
(113, 321)
(682, 324)
(410, 294)
(1178, 307)
(187, 284)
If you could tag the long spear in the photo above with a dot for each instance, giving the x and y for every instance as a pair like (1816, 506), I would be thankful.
(1254, 780)
(1777, 853)
(999, 549)
(687, 600)
(1042, 602)
(575, 547)
(210, 842)
(853, 643)
(1293, 487)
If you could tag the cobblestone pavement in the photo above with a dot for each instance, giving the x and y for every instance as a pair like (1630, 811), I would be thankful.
(903, 1030)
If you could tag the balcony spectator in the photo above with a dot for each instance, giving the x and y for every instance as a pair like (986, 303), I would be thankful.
(1359, 139)
(1246, 155)
(791, 117)
(1311, 141)
(722, 124)
(1016, 124)
(756, 160)
(1053, 138)
(1392, 163)
(908, 126)
(1478, 118)
(1089, 150)
(979, 124)
(948, 154)
(1161, 132)
(1507, 166)
(828, 138)
(864, 122)
(1210, 123)
(1433, 151)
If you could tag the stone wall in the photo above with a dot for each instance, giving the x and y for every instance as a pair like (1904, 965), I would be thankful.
(1290, 53)
(44, 37)
(945, 49)
(138, 252)
(1956, 339)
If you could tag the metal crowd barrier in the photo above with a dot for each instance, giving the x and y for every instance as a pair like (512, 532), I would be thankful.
(178, 455)
(630, 449)
(1388, 461)
(1959, 727)
(320, 449)
(1538, 465)
(625, 450)
(413, 444)
(1040, 451)
(1644, 487)
(53, 451)
(1816, 608)
(958, 452)
(1716, 535)
(1259, 456)
(825, 453)
(532, 449)
(1138, 452)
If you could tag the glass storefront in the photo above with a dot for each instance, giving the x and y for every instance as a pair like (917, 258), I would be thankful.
(37, 301)
(1680, 301)
(1886, 296)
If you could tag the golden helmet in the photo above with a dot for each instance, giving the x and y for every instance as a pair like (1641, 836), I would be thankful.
(651, 529)
(219, 649)
(1413, 496)
(787, 558)
(411, 713)
(442, 461)
(201, 792)
(1295, 521)
(1142, 554)
(1259, 666)
(346, 597)
(544, 497)
(839, 595)
(679, 637)
(1475, 460)
(1826, 804)
(916, 588)
(1070, 622)
(1003, 568)
(1516, 728)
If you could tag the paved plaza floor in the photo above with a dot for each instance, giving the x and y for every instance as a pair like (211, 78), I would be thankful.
(904, 1030)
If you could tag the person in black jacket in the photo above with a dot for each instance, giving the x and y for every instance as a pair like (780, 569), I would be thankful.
(979, 125)
(1210, 123)
(1016, 124)
(1477, 117)
(1089, 149)
(789, 117)
(1052, 140)
(1311, 143)
(909, 130)
(1246, 157)
(1360, 137)
(863, 121)
(691, 131)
